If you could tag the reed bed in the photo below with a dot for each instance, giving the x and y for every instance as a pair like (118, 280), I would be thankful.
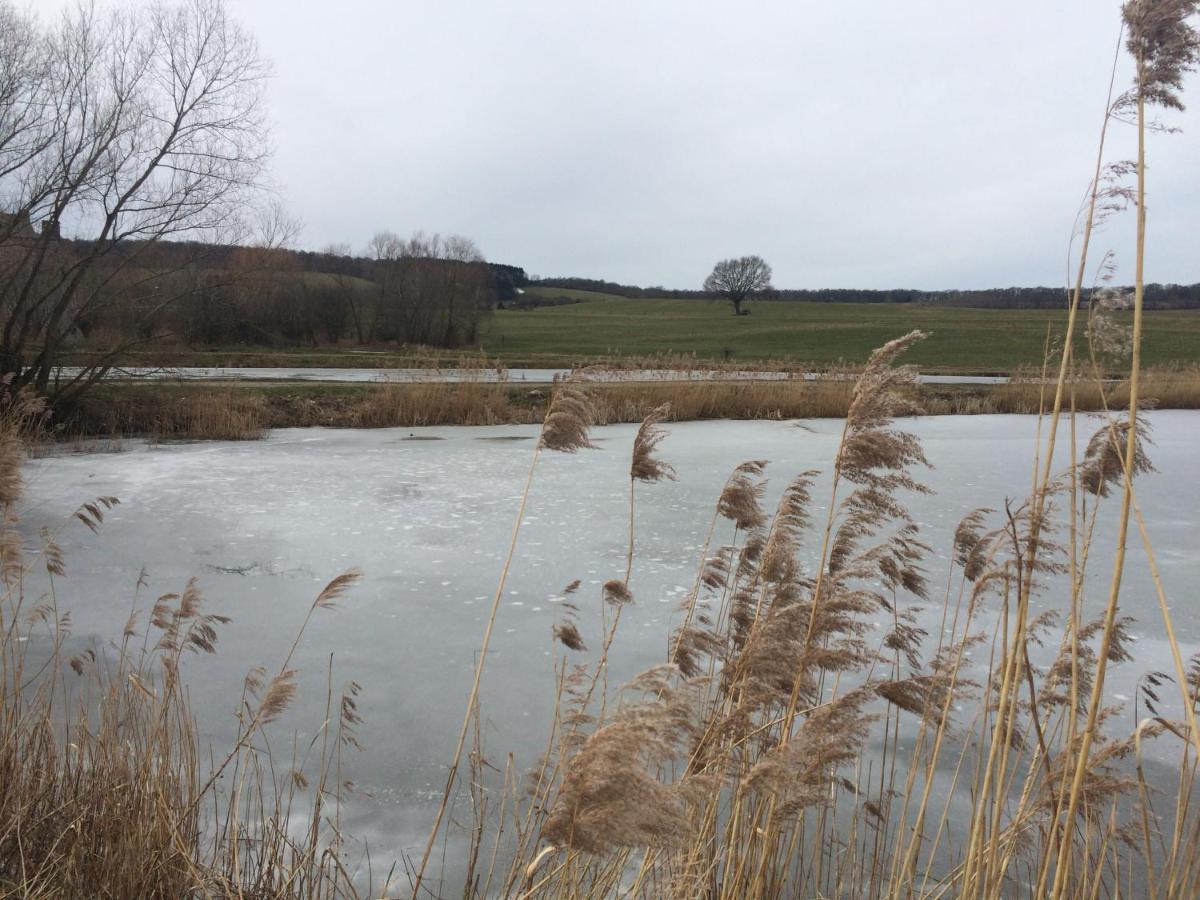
(226, 415)
(106, 789)
(1164, 387)
(413, 405)
(785, 748)
(246, 412)
(723, 400)
(222, 412)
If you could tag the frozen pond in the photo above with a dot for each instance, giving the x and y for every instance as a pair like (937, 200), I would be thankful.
(532, 376)
(427, 515)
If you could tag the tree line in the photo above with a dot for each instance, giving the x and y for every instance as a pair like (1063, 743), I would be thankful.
(426, 289)
(1158, 296)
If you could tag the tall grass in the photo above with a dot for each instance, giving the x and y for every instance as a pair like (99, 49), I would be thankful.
(223, 415)
(106, 789)
(218, 412)
(432, 403)
(786, 749)
(1176, 387)
(248, 411)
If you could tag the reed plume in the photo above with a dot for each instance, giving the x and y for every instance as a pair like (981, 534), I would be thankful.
(616, 592)
(800, 773)
(567, 633)
(1165, 45)
(611, 795)
(1103, 462)
(741, 499)
(568, 418)
(646, 466)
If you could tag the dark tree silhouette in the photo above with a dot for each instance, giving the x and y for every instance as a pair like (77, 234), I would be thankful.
(739, 279)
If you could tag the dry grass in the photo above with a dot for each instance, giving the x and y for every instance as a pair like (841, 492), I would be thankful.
(788, 749)
(1174, 387)
(216, 413)
(723, 400)
(785, 748)
(412, 405)
(106, 789)
(246, 411)
(228, 415)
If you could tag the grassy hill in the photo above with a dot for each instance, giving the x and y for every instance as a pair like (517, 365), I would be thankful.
(552, 293)
(967, 340)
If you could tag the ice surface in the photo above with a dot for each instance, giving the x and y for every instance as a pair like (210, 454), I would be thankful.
(264, 525)
(531, 376)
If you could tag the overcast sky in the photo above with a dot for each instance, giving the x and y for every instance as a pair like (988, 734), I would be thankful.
(928, 144)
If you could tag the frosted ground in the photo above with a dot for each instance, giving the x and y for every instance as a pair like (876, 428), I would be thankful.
(427, 515)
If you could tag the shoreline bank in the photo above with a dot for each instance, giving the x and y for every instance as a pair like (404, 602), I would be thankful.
(247, 410)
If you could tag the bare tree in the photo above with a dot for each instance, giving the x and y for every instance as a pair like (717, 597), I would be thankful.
(276, 227)
(267, 279)
(385, 245)
(121, 130)
(386, 248)
(432, 289)
(739, 279)
(462, 289)
(348, 288)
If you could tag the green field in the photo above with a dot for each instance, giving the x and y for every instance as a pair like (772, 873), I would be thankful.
(961, 340)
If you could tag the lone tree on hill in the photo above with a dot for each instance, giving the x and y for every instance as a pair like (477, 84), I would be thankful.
(739, 279)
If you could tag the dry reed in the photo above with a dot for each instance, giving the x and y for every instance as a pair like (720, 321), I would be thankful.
(106, 789)
(784, 752)
(788, 747)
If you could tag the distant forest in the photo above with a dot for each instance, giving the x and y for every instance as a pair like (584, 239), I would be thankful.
(426, 290)
(1158, 296)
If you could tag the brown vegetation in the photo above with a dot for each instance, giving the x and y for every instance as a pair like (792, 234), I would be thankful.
(411, 405)
(787, 749)
(1167, 387)
(105, 787)
(227, 415)
(782, 727)
(246, 411)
